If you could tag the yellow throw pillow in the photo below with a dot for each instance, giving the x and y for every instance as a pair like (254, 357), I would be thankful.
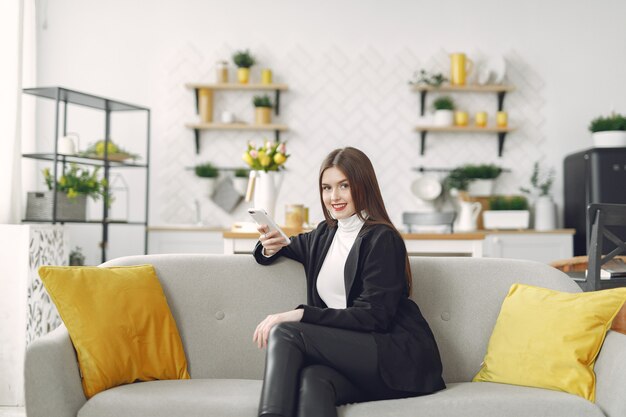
(119, 322)
(550, 339)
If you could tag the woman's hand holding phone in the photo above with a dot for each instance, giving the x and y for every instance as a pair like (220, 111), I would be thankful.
(272, 241)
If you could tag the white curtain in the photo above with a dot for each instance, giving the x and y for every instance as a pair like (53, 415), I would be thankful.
(13, 15)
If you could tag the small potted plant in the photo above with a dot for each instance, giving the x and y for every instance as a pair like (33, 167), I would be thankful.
(76, 257)
(262, 110)
(444, 111)
(507, 212)
(477, 180)
(240, 182)
(544, 209)
(209, 173)
(243, 60)
(608, 132)
(73, 187)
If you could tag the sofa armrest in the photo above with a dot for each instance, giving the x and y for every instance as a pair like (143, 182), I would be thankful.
(610, 371)
(52, 383)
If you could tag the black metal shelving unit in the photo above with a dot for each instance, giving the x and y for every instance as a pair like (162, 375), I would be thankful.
(64, 96)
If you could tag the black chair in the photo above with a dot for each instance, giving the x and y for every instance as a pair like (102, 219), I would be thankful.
(601, 217)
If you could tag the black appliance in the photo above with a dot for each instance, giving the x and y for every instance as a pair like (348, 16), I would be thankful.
(595, 175)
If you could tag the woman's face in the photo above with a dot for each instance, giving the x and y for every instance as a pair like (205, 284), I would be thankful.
(336, 194)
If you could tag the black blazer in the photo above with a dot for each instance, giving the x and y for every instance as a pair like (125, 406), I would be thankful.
(377, 302)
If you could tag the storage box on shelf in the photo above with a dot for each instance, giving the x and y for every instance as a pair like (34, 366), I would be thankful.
(204, 102)
(51, 212)
(499, 90)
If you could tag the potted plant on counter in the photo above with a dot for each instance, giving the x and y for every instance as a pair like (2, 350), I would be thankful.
(444, 111)
(609, 131)
(262, 110)
(243, 60)
(507, 212)
(544, 209)
(209, 173)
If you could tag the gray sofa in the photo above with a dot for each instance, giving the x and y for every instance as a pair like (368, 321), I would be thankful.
(217, 301)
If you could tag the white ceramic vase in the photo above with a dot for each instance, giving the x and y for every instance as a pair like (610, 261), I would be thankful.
(266, 189)
(209, 185)
(545, 213)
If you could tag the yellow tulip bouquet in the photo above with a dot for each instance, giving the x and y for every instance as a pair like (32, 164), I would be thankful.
(269, 157)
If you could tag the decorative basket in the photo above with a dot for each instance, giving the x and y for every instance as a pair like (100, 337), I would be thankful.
(39, 206)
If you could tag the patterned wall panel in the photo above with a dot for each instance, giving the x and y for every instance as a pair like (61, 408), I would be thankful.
(336, 98)
(48, 245)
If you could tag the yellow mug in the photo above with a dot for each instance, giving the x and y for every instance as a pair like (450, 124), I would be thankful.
(460, 68)
(481, 119)
(502, 119)
(461, 118)
(266, 76)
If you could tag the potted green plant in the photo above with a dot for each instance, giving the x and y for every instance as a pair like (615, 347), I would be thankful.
(72, 189)
(76, 257)
(444, 111)
(262, 109)
(609, 131)
(243, 60)
(477, 180)
(209, 173)
(507, 212)
(544, 209)
(240, 182)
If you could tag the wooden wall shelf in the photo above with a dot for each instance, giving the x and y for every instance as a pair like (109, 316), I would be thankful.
(501, 131)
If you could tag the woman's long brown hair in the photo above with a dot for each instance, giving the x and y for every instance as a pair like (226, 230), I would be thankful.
(358, 169)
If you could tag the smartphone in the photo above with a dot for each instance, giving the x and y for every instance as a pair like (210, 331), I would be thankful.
(260, 217)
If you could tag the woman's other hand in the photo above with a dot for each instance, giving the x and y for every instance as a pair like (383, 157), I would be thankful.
(262, 331)
(272, 241)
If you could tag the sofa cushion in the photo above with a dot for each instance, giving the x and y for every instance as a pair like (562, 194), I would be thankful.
(188, 398)
(472, 399)
(119, 322)
(550, 339)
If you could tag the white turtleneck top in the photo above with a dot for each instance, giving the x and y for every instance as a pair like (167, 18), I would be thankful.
(330, 281)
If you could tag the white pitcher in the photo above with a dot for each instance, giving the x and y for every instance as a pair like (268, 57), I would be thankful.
(266, 188)
(467, 216)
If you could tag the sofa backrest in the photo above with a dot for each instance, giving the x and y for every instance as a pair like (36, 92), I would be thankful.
(461, 299)
(217, 301)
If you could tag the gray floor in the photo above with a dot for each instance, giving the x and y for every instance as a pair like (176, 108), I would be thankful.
(12, 411)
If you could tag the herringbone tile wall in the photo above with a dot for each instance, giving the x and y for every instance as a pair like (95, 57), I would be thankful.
(336, 98)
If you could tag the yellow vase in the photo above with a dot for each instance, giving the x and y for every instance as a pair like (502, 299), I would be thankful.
(460, 68)
(243, 75)
(205, 105)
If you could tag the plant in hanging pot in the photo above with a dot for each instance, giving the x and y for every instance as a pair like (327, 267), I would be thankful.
(73, 187)
(444, 111)
(265, 162)
(507, 212)
(240, 182)
(544, 209)
(477, 180)
(262, 109)
(209, 173)
(243, 60)
(609, 131)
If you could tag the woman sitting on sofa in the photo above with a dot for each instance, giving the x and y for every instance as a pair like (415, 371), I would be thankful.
(359, 337)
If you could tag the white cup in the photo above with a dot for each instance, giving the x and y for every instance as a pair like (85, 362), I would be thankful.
(227, 117)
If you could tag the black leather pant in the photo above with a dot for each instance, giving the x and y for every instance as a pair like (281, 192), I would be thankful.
(311, 369)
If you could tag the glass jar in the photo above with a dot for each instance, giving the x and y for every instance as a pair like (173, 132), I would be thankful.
(294, 215)
(221, 74)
